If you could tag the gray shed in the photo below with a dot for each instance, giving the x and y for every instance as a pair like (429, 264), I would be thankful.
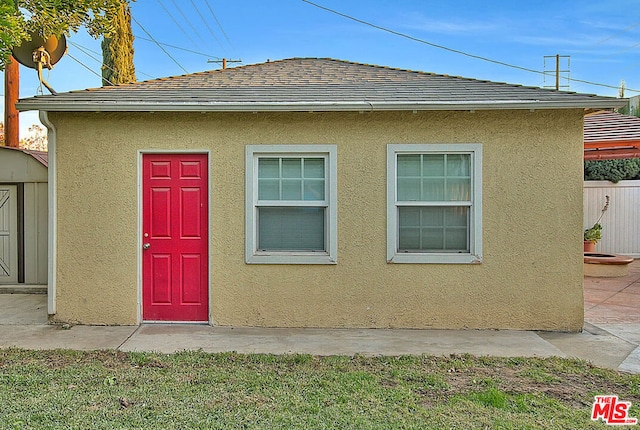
(23, 216)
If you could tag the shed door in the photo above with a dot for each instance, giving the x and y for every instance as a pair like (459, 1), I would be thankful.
(8, 234)
(175, 237)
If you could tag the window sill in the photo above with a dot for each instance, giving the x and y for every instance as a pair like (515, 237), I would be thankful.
(291, 258)
(420, 258)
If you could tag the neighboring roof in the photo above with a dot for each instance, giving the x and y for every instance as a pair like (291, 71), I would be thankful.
(313, 84)
(41, 156)
(610, 135)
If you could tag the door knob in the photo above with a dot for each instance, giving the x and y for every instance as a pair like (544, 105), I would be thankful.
(146, 246)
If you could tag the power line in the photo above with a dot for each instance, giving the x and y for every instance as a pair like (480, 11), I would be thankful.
(159, 45)
(177, 47)
(455, 51)
(88, 68)
(206, 24)
(187, 20)
(623, 51)
(86, 51)
(415, 39)
(84, 48)
(616, 34)
(218, 22)
(176, 22)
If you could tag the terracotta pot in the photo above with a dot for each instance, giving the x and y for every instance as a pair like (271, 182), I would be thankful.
(589, 246)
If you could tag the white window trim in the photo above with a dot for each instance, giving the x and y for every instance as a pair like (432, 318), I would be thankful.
(252, 255)
(474, 256)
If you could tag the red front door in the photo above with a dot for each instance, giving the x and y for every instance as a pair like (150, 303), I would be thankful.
(175, 237)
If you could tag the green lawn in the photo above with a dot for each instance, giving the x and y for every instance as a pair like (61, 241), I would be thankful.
(109, 389)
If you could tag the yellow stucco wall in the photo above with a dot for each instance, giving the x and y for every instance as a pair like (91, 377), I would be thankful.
(531, 276)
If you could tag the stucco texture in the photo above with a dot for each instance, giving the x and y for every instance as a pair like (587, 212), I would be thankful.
(530, 277)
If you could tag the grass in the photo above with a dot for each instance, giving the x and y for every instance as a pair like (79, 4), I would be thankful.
(110, 389)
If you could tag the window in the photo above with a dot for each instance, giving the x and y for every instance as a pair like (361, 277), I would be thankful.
(434, 207)
(291, 204)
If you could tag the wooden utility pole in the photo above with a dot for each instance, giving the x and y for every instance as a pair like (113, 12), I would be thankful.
(557, 72)
(224, 62)
(11, 95)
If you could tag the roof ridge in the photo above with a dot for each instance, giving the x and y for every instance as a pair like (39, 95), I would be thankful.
(327, 59)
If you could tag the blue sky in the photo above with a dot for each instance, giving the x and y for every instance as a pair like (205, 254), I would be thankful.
(601, 38)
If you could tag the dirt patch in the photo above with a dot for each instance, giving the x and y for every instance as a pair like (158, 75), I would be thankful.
(574, 390)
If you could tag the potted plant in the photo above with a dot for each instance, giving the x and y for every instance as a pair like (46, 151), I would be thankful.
(594, 233)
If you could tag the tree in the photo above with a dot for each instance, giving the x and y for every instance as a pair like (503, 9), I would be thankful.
(1, 134)
(36, 139)
(52, 17)
(12, 30)
(117, 50)
(612, 170)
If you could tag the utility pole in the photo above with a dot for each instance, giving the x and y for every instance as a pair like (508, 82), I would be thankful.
(557, 72)
(11, 96)
(224, 62)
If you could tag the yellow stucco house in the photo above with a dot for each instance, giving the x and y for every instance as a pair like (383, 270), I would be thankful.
(317, 193)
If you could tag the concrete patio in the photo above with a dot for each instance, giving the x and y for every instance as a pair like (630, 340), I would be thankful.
(611, 335)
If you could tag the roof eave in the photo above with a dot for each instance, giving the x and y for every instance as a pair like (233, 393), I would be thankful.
(336, 106)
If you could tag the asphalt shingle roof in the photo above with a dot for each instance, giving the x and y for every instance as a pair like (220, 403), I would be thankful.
(313, 84)
(611, 126)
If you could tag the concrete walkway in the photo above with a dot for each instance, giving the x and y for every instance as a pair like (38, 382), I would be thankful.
(611, 337)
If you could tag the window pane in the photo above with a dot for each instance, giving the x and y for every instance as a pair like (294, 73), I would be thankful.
(433, 165)
(409, 217)
(434, 177)
(314, 189)
(408, 189)
(409, 238)
(291, 168)
(269, 168)
(269, 189)
(432, 217)
(314, 167)
(458, 189)
(409, 165)
(458, 217)
(433, 189)
(457, 239)
(458, 165)
(291, 179)
(432, 239)
(433, 229)
(291, 229)
(292, 189)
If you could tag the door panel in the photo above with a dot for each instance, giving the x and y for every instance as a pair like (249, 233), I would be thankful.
(8, 234)
(175, 235)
